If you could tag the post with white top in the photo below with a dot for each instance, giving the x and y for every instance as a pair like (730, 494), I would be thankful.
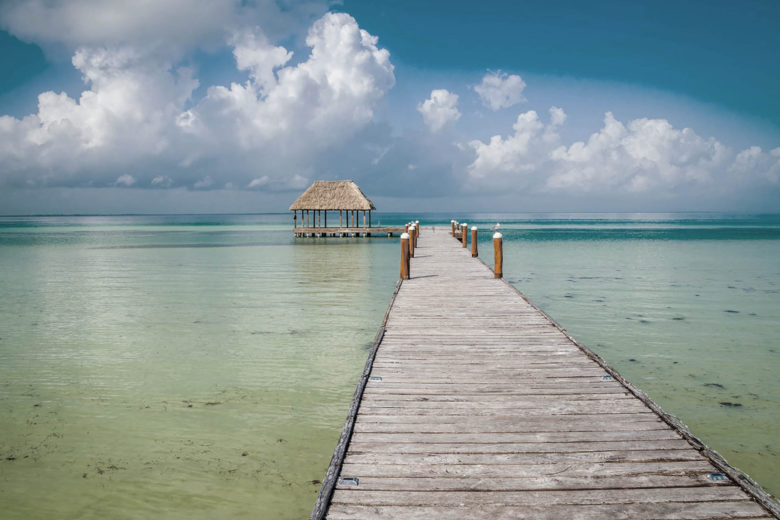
(464, 234)
(411, 241)
(498, 253)
(453, 227)
(474, 252)
(417, 225)
(404, 256)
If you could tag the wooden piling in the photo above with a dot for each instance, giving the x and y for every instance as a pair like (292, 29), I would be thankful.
(411, 241)
(498, 255)
(464, 234)
(474, 252)
(452, 222)
(405, 256)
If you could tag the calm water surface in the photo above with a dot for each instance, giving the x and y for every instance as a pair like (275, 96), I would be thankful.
(202, 366)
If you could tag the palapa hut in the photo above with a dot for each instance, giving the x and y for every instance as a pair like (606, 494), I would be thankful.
(324, 196)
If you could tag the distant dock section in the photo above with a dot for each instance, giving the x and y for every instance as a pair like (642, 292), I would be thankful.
(345, 197)
(382, 231)
(475, 404)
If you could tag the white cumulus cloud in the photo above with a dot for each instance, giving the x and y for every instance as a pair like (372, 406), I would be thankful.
(439, 109)
(125, 180)
(500, 90)
(644, 155)
(167, 27)
(138, 112)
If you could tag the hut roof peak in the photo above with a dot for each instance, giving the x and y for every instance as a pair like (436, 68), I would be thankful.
(333, 195)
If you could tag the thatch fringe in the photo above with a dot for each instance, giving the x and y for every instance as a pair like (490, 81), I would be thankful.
(333, 195)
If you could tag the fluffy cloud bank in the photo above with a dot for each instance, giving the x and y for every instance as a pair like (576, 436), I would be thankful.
(308, 108)
(439, 109)
(499, 90)
(169, 27)
(139, 113)
(643, 155)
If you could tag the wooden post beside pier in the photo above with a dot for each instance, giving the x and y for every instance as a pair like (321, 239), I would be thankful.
(404, 256)
(411, 241)
(474, 252)
(464, 234)
(498, 254)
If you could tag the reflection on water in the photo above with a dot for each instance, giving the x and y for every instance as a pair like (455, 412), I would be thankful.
(182, 382)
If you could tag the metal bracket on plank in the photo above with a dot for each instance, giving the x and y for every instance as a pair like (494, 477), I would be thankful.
(375, 378)
(717, 477)
(349, 481)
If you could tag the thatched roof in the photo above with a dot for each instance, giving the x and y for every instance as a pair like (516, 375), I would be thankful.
(333, 195)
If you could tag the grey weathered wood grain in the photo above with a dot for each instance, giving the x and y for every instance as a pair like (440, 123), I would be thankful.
(478, 405)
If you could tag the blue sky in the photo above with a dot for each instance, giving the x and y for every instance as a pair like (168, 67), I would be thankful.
(201, 105)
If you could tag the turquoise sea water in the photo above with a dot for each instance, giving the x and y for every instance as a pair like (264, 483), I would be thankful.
(202, 366)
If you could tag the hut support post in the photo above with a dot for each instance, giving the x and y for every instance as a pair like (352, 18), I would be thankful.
(340, 221)
(326, 218)
(364, 218)
(369, 218)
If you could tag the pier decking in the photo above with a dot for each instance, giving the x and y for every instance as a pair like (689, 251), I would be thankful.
(475, 404)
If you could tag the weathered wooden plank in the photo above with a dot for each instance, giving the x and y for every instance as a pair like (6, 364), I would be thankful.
(563, 481)
(464, 437)
(487, 398)
(381, 457)
(536, 498)
(634, 511)
(479, 409)
(496, 424)
(525, 471)
(357, 446)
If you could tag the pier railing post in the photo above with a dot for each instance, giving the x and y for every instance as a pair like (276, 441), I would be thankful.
(404, 256)
(464, 234)
(498, 254)
(453, 227)
(474, 252)
(411, 241)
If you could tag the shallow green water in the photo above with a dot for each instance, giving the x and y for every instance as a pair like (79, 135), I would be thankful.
(202, 366)
(178, 371)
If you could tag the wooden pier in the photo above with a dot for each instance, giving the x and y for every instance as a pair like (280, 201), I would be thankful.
(475, 404)
(382, 231)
